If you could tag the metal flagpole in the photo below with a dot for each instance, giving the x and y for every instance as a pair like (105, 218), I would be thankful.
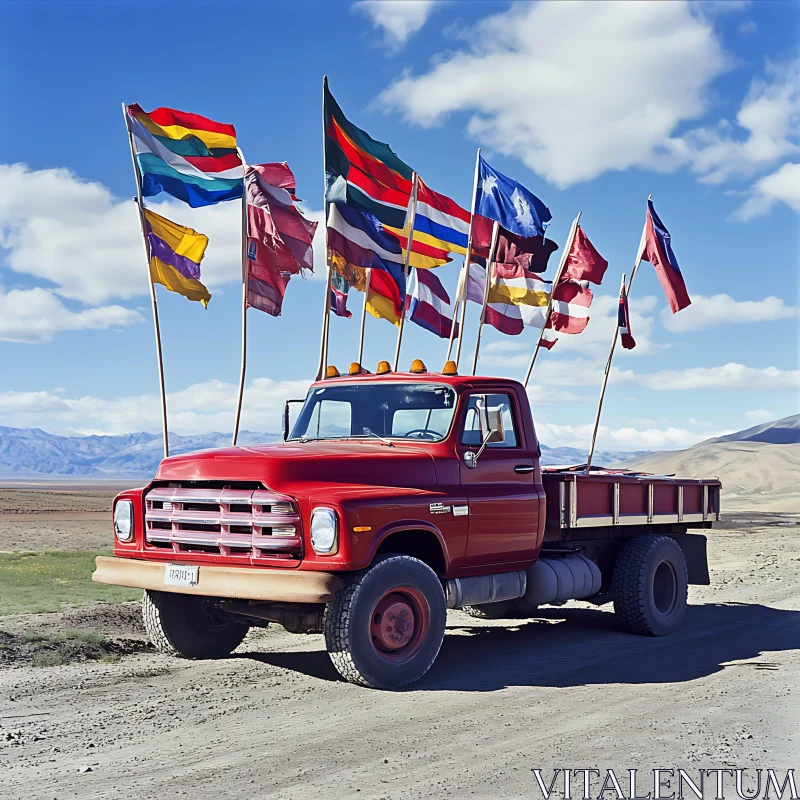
(245, 271)
(364, 316)
(561, 264)
(326, 309)
(613, 345)
(464, 278)
(411, 216)
(486, 287)
(140, 206)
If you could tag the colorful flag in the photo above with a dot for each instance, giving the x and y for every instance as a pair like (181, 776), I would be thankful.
(658, 251)
(428, 304)
(175, 256)
(516, 208)
(513, 284)
(624, 319)
(185, 155)
(583, 262)
(570, 303)
(440, 222)
(338, 298)
(527, 252)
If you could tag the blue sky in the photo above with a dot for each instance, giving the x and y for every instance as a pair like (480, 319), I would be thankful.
(592, 106)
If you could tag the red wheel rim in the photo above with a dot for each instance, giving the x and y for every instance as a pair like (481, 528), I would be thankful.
(399, 624)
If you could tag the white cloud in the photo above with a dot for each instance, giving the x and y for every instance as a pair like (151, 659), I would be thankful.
(399, 19)
(759, 415)
(731, 376)
(552, 84)
(783, 185)
(618, 438)
(77, 236)
(722, 309)
(201, 408)
(35, 315)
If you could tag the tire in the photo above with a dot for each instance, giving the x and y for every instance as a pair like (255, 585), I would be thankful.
(367, 631)
(650, 585)
(499, 610)
(185, 625)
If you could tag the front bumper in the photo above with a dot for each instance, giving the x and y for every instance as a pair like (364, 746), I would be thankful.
(240, 583)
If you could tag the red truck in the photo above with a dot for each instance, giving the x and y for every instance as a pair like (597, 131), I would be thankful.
(395, 497)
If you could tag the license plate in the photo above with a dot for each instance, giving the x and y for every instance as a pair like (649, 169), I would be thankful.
(181, 575)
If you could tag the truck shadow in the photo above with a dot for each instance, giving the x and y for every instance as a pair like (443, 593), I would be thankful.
(566, 647)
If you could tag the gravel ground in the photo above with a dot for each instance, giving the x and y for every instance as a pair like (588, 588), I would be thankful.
(563, 690)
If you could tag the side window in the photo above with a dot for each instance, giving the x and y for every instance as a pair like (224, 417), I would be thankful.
(478, 405)
(329, 419)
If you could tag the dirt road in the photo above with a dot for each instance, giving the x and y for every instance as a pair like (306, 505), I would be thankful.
(563, 690)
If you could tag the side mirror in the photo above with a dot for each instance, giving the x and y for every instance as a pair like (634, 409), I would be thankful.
(286, 417)
(491, 423)
(470, 458)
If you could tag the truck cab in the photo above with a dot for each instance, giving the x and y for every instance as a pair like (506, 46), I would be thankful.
(393, 497)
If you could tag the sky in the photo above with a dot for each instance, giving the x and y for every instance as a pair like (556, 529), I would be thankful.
(593, 106)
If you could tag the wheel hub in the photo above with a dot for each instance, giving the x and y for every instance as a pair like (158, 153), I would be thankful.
(393, 622)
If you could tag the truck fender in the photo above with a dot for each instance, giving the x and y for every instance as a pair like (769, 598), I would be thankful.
(408, 526)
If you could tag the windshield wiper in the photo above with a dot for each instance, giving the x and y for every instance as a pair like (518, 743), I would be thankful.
(387, 442)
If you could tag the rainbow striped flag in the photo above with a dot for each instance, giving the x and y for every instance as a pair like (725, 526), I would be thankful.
(185, 155)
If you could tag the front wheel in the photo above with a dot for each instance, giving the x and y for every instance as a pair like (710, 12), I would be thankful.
(650, 585)
(189, 626)
(386, 625)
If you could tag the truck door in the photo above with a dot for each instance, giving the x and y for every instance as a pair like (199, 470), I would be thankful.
(500, 487)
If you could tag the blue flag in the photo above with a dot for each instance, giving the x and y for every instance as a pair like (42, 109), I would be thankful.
(516, 208)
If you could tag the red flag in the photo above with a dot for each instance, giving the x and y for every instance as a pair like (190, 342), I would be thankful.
(584, 263)
(570, 304)
(623, 319)
(530, 252)
(658, 251)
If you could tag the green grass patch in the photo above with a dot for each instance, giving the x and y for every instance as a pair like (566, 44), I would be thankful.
(33, 583)
(53, 650)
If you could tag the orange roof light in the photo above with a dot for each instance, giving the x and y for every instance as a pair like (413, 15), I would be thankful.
(450, 368)
(383, 368)
(355, 369)
(418, 366)
(331, 372)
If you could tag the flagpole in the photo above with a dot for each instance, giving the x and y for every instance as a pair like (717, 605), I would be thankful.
(411, 216)
(156, 326)
(561, 264)
(364, 317)
(613, 346)
(245, 270)
(486, 288)
(326, 309)
(462, 284)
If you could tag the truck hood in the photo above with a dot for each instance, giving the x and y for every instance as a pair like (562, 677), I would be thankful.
(300, 468)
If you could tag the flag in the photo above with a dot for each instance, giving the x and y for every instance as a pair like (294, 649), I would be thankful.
(338, 298)
(279, 237)
(428, 304)
(440, 222)
(175, 256)
(570, 304)
(583, 262)
(516, 208)
(658, 251)
(623, 318)
(519, 286)
(528, 252)
(185, 155)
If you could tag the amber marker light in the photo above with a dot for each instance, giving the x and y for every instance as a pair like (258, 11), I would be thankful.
(383, 368)
(450, 368)
(331, 372)
(362, 528)
(418, 366)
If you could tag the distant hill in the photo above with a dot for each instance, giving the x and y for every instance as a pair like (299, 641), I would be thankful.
(31, 453)
(758, 467)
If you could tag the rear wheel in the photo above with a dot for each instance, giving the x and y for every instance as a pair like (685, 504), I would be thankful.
(650, 585)
(189, 626)
(386, 625)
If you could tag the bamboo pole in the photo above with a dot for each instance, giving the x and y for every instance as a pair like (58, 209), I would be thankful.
(611, 353)
(486, 289)
(326, 309)
(156, 326)
(245, 272)
(364, 316)
(411, 216)
(561, 264)
(462, 283)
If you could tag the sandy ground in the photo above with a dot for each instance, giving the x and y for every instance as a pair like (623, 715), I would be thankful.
(564, 690)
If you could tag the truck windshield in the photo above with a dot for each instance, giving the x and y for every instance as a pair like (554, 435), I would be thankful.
(415, 411)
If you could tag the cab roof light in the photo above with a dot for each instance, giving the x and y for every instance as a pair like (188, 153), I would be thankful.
(331, 372)
(357, 369)
(383, 368)
(418, 366)
(450, 368)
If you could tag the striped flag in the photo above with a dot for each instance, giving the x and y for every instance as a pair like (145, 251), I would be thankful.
(658, 251)
(185, 155)
(428, 304)
(623, 318)
(571, 301)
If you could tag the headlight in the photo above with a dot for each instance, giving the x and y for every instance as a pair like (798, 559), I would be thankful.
(123, 520)
(324, 530)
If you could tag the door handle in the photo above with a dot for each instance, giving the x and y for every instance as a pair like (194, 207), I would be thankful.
(524, 469)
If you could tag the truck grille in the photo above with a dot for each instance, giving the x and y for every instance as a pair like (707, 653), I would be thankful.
(228, 521)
